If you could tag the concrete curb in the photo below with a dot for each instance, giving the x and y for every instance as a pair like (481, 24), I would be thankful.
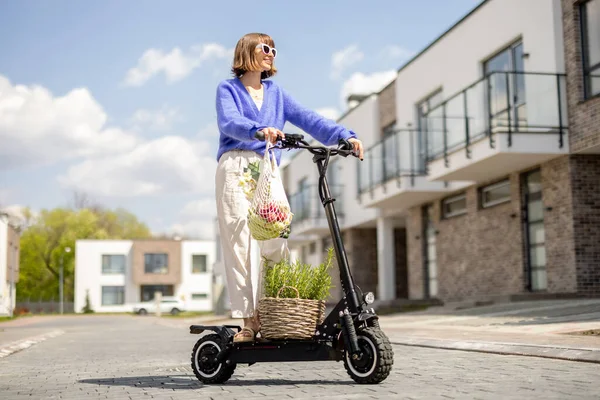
(590, 355)
(23, 344)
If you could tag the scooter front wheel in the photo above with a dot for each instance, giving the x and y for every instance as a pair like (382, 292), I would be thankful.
(377, 358)
(206, 369)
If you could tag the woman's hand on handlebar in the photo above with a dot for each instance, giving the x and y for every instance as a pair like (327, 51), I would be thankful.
(272, 134)
(358, 147)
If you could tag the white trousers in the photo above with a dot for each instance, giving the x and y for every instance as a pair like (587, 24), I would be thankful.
(232, 211)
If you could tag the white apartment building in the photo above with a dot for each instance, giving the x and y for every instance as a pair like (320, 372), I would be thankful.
(9, 265)
(119, 273)
(466, 191)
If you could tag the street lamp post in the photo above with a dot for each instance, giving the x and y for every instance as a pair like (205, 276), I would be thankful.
(61, 277)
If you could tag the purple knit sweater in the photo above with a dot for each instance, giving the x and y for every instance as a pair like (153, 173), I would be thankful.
(238, 118)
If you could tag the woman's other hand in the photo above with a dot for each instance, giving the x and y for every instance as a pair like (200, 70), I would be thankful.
(358, 147)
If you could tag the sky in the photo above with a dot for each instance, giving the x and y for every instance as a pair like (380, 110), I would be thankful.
(116, 99)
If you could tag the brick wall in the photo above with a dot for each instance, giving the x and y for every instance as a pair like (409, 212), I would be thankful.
(584, 134)
(558, 224)
(481, 254)
(585, 175)
(362, 257)
(387, 105)
(361, 250)
(584, 116)
(414, 231)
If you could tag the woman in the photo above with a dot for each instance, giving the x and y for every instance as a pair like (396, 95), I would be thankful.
(246, 104)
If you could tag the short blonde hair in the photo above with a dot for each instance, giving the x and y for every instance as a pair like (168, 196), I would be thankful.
(244, 58)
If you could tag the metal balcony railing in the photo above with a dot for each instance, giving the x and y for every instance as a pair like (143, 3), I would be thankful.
(306, 204)
(396, 155)
(501, 102)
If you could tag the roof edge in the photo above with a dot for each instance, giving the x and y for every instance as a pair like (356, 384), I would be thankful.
(444, 34)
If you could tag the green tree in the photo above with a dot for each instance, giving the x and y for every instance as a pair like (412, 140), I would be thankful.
(46, 236)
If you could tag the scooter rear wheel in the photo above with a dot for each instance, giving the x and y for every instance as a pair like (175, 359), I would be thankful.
(377, 357)
(203, 364)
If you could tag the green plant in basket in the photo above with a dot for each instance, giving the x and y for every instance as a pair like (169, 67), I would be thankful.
(312, 283)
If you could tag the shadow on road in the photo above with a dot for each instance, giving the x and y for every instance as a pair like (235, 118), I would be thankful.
(190, 382)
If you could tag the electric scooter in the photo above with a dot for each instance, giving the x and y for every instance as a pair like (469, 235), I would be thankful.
(350, 332)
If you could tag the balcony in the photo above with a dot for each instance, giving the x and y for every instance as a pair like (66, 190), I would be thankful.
(309, 215)
(392, 176)
(505, 122)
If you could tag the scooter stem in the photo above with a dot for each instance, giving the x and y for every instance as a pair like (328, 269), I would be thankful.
(338, 245)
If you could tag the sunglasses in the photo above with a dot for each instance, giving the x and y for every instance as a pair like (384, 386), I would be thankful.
(267, 49)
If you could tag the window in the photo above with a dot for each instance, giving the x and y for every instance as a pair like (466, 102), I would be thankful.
(199, 296)
(453, 206)
(156, 263)
(113, 295)
(334, 179)
(113, 264)
(507, 101)
(430, 121)
(326, 243)
(301, 201)
(590, 35)
(312, 248)
(497, 193)
(198, 263)
(149, 290)
(389, 129)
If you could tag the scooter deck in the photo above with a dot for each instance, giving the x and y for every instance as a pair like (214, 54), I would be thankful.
(282, 351)
(264, 350)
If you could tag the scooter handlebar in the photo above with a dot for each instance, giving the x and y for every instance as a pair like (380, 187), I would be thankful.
(296, 140)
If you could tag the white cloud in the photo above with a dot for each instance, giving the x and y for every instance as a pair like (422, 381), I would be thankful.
(169, 164)
(396, 52)
(158, 120)
(210, 130)
(197, 229)
(360, 83)
(37, 128)
(202, 208)
(329, 112)
(175, 64)
(196, 219)
(343, 59)
(5, 195)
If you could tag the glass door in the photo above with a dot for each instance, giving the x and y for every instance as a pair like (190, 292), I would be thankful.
(430, 138)
(429, 253)
(506, 88)
(534, 232)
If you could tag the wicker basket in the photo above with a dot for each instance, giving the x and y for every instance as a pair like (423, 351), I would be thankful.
(289, 318)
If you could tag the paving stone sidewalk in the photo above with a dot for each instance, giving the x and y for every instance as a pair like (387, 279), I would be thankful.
(534, 328)
(138, 358)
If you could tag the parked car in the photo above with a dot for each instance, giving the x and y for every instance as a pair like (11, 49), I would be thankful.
(168, 304)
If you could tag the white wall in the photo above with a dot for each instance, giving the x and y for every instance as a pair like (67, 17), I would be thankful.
(196, 283)
(88, 274)
(364, 120)
(456, 60)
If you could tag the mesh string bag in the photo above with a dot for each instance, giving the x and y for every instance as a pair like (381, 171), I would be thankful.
(269, 214)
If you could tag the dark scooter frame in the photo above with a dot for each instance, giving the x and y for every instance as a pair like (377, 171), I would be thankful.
(350, 333)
